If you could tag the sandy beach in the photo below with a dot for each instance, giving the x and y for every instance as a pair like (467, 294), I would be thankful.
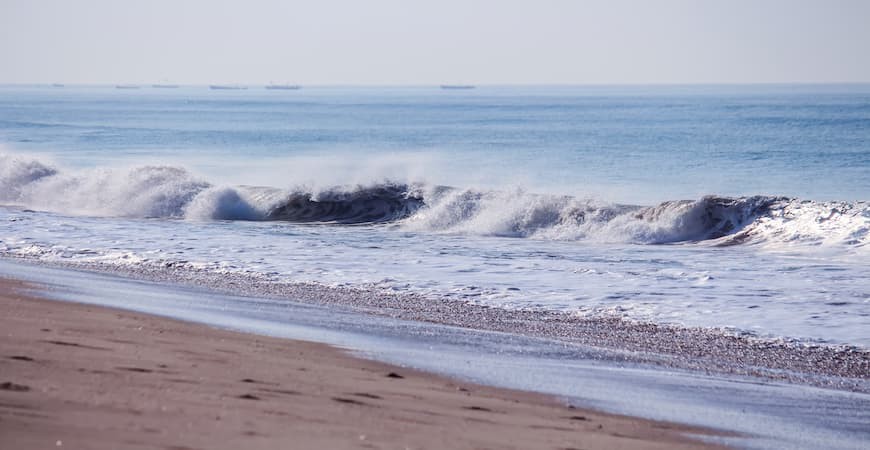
(78, 376)
(442, 225)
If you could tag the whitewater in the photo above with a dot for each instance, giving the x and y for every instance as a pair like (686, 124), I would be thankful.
(737, 209)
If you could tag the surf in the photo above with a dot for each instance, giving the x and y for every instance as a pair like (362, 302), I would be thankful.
(171, 192)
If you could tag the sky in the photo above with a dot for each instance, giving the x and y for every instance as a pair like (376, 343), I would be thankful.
(392, 42)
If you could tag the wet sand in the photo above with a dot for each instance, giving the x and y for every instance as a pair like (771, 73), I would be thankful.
(701, 350)
(79, 376)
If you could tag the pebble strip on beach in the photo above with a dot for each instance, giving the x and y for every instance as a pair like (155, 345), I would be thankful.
(710, 351)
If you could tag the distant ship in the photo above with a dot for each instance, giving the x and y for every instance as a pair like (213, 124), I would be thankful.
(164, 86)
(57, 85)
(126, 86)
(226, 87)
(457, 86)
(284, 87)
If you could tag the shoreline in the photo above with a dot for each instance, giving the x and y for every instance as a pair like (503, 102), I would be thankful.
(706, 351)
(97, 377)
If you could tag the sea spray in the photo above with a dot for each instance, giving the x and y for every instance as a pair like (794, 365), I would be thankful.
(147, 191)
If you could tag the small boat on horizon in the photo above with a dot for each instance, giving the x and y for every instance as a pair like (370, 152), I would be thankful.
(457, 86)
(57, 85)
(226, 87)
(165, 86)
(126, 86)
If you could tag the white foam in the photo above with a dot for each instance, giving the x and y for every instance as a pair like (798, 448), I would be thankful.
(147, 191)
(222, 203)
(719, 220)
(796, 222)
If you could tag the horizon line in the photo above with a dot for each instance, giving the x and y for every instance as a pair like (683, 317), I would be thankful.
(411, 85)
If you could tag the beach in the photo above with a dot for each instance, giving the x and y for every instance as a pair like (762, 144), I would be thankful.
(525, 225)
(81, 376)
(516, 237)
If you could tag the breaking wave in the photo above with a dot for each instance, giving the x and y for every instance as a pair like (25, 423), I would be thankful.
(172, 192)
(717, 220)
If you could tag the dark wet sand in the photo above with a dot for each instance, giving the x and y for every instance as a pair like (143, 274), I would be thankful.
(78, 376)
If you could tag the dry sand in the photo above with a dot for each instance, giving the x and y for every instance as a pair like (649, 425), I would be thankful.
(78, 376)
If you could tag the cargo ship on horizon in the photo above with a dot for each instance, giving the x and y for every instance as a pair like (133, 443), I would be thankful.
(283, 87)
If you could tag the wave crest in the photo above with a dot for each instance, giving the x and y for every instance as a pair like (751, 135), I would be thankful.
(172, 192)
(17, 173)
(148, 191)
(381, 203)
(521, 214)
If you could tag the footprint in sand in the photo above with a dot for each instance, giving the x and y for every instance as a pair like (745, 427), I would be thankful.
(477, 408)
(10, 386)
(349, 401)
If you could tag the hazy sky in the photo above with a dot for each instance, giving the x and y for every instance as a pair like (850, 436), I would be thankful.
(432, 42)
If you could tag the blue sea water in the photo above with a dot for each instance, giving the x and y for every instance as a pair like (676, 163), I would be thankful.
(738, 207)
(631, 144)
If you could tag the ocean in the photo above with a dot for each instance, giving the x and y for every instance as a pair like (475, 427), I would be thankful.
(738, 209)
